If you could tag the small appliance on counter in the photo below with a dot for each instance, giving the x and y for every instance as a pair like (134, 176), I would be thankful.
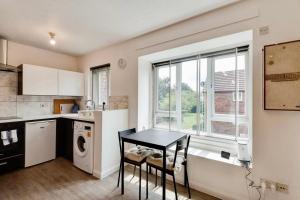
(63, 106)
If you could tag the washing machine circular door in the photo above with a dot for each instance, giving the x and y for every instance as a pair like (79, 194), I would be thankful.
(81, 146)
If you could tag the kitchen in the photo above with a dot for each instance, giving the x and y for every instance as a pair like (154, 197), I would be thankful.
(149, 99)
(44, 115)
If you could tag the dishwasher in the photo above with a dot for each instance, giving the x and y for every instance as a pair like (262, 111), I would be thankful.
(40, 142)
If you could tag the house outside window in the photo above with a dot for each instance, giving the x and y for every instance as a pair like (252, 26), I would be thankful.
(205, 95)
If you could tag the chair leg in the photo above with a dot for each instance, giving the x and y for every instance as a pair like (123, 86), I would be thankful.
(140, 183)
(155, 177)
(187, 182)
(185, 175)
(146, 181)
(175, 190)
(119, 174)
(134, 171)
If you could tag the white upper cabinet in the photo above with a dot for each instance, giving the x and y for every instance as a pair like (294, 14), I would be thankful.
(37, 80)
(70, 83)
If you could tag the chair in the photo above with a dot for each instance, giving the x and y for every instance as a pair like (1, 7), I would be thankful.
(174, 161)
(135, 156)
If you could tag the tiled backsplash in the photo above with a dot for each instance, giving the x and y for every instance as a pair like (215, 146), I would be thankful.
(12, 104)
(118, 102)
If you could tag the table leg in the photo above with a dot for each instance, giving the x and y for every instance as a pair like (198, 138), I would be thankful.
(164, 175)
(122, 158)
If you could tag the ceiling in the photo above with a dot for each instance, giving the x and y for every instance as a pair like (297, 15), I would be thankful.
(82, 26)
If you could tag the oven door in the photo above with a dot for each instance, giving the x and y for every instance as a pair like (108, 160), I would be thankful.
(12, 144)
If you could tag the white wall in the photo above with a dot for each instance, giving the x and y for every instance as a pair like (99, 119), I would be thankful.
(12, 104)
(24, 54)
(276, 136)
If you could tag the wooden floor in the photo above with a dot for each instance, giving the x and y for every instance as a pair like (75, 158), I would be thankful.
(60, 180)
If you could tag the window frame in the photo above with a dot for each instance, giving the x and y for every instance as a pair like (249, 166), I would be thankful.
(102, 68)
(212, 115)
(201, 138)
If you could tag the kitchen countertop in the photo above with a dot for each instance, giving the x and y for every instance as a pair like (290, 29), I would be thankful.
(53, 116)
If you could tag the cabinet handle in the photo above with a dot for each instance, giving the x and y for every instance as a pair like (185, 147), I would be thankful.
(4, 163)
(1, 154)
(39, 122)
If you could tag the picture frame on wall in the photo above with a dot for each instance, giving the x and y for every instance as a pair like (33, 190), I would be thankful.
(282, 76)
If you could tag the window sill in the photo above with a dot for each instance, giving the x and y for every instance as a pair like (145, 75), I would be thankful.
(210, 155)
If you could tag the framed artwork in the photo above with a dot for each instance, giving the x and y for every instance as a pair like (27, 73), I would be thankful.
(282, 76)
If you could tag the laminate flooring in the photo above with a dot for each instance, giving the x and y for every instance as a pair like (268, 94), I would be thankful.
(60, 180)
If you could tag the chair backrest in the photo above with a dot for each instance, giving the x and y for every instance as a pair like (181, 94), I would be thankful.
(182, 145)
(123, 133)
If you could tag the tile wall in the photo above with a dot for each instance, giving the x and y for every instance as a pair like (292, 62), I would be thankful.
(12, 104)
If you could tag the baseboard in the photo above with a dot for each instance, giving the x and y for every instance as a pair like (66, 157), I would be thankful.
(206, 190)
(109, 171)
(193, 185)
(96, 174)
(223, 196)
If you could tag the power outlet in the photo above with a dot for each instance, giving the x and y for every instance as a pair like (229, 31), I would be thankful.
(274, 186)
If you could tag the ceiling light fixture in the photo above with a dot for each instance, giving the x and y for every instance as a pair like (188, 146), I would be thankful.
(52, 38)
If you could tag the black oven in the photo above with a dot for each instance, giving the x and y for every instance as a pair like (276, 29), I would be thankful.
(12, 146)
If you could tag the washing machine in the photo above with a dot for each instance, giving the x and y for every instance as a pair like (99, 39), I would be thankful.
(83, 146)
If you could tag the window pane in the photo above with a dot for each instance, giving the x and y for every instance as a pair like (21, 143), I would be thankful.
(224, 85)
(165, 116)
(243, 130)
(189, 96)
(221, 127)
(103, 87)
(241, 84)
(173, 99)
(163, 90)
(100, 86)
(204, 86)
(163, 84)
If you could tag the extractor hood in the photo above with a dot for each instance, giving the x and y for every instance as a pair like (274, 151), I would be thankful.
(3, 58)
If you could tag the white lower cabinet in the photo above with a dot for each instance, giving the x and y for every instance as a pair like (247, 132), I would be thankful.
(40, 142)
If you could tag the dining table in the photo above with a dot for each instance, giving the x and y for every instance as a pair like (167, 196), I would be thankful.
(155, 139)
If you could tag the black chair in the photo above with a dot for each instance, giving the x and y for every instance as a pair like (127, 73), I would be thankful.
(156, 161)
(135, 156)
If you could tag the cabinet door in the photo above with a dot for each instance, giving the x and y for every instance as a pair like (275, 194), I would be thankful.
(40, 142)
(70, 83)
(37, 80)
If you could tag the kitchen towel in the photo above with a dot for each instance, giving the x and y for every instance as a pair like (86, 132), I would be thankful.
(5, 138)
(14, 136)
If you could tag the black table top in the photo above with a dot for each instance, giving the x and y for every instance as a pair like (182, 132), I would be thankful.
(155, 138)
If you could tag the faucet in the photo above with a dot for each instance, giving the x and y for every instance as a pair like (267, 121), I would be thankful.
(92, 106)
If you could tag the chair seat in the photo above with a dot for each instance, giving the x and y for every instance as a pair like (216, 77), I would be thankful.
(156, 159)
(137, 154)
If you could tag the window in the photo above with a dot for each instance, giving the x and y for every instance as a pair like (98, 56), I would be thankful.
(100, 84)
(205, 95)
